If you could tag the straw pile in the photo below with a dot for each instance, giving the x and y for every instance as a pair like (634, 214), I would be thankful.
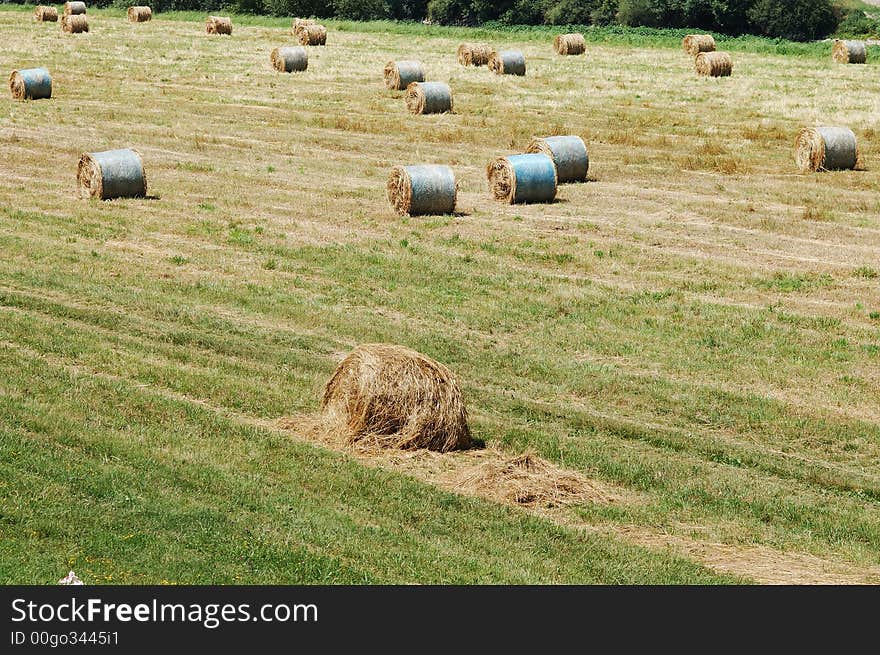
(507, 62)
(289, 59)
(570, 44)
(310, 34)
(714, 64)
(428, 97)
(30, 84)
(301, 21)
(849, 52)
(43, 14)
(400, 74)
(694, 44)
(218, 25)
(74, 8)
(111, 174)
(394, 397)
(74, 23)
(139, 14)
(826, 149)
(522, 178)
(415, 190)
(474, 54)
(569, 155)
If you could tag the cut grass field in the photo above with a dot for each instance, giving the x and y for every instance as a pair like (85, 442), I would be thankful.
(697, 328)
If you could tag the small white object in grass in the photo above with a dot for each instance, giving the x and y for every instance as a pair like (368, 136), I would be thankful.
(70, 578)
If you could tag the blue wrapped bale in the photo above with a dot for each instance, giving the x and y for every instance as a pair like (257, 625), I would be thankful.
(522, 178)
(849, 52)
(508, 62)
(428, 97)
(827, 149)
(30, 84)
(426, 189)
(74, 8)
(289, 59)
(400, 74)
(112, 174)
(569, 155)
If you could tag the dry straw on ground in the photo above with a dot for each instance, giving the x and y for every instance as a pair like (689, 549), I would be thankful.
(428, 98)
(694, 44)
(394, 397)
(139, 14)
(399, 75)
(427, 189)
(474, 54)
(43, 13)
(218, 25)
(310, 34)
(74, 8)
(570, 44)
(112, 174)
(849, 52)
(290, 59)
(714, 64)
(827, 148)
(507, 62)
(74, 23)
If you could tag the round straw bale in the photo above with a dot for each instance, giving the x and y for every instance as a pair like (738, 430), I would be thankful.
(474, 54)
(112, 174)
(30, 84)
(714, 64)
(139, 14)
(694, 44)
(301, 21)
(522, 178)
(74, 23)
(569, 155)
(414, 190)
(849, 52)
(826, 149)
(42, 13)
(400, 74)
(218, 25)
(428, 97)
(507, 62)
(74, 8)
(570, 44)
(311, 34)
(397, 398)
(290, 59)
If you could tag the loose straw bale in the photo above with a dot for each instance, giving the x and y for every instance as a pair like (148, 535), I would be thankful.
(139, 14)
(428, 97)
(522, 178)
(74, 8)
(826, 149)
(74, 23)
(507, 62)
(395, 397)
(42, 14)
(570, 44)
(849, 52)
(218, 25)
(694, 44)
(290, 59)
(429, 189)
(714, 64)
(311, 34)
(474, 54)
(112, 174)
(569, 155)
(30, 84)
(400, 74)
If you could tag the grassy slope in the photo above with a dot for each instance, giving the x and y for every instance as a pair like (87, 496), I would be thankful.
(699, 326)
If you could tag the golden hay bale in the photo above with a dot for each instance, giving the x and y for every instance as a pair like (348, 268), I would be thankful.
(396, 398)
(827, 148)
(428, 98)
(694, 44)
(474, 54)
(74, 23)
(139, 14)
(218, 25)
(507, 62)
(428, 189)
(714, 64)
(74, 8)
(30, 84)
(570, 44)
(301, 21)
(400, 74)
(112, 174)
(43, 13)
(849, 52)
(290, 59)
(522, 178)
(312, 34)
